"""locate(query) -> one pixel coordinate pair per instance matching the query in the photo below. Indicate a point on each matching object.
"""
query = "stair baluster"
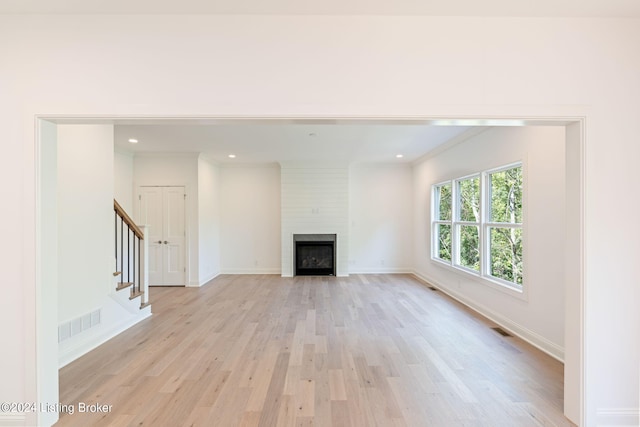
(121, 249)
(135, 277)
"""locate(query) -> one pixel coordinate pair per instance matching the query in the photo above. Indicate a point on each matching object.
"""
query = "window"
(467, 224)
(504, 228)
(442, 199)
(477, 224)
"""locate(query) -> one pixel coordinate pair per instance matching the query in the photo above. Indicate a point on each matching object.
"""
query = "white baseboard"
(529, 336)
(69, 355)
(12, 419)
(618, 417)
(209, 278)
(202, 282)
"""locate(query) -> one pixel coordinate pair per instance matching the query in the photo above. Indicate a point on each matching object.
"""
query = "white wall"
(380, 218)
(315, 200)
(208, 220)
(538, 314)
(174, 170)
(250, 220)
(85, 218)
(86, 260)
(374, 66)
(123, 180)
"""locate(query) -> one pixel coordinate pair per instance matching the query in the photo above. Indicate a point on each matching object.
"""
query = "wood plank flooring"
(367, 350)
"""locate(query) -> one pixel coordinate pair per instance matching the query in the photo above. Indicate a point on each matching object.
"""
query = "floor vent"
(501, 331)
(432, 288)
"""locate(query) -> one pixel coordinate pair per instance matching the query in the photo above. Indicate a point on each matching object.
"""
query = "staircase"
(130, 257)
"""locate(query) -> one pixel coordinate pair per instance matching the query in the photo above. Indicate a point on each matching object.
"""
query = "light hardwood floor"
(368, 350)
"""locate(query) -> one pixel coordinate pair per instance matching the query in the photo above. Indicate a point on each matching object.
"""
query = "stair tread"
(123, 285)
(136, 294)
(145, 304)
(117, 273)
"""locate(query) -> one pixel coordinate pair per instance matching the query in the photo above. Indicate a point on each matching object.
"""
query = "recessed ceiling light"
(399, 156)
(232, 156)
(133, 140)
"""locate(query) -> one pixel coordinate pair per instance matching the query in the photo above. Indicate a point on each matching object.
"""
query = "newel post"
(144, 264)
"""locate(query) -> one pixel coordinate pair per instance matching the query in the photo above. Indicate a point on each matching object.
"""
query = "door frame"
(43, 382)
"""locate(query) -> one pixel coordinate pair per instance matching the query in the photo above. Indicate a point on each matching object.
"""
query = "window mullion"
(455, 216)
(483, 218)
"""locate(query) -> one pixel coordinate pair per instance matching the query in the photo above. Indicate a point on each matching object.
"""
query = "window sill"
(516, 292)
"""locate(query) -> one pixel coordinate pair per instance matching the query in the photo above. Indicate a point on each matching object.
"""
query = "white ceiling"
(281, 141)
(526, 8)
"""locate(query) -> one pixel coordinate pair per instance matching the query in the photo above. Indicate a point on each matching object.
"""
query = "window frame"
(458, 223)
(484, 225)
(436, 222)
(488, 224)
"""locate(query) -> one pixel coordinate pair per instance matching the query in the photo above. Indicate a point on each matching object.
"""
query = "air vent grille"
(73, 327)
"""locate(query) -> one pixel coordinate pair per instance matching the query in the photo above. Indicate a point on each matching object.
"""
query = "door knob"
(165, 242)
(159, 242)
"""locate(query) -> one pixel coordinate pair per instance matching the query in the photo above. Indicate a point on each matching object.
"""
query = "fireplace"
(314, 254)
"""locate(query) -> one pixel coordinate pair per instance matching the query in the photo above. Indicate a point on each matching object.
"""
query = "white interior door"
(150, 214)
(173, 242)
(163, 209)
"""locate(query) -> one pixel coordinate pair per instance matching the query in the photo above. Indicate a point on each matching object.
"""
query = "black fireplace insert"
(315, 258)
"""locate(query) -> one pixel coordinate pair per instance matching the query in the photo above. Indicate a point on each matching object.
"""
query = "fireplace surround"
(314, 254)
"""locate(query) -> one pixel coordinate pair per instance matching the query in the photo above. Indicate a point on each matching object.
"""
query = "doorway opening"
(46, 281)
